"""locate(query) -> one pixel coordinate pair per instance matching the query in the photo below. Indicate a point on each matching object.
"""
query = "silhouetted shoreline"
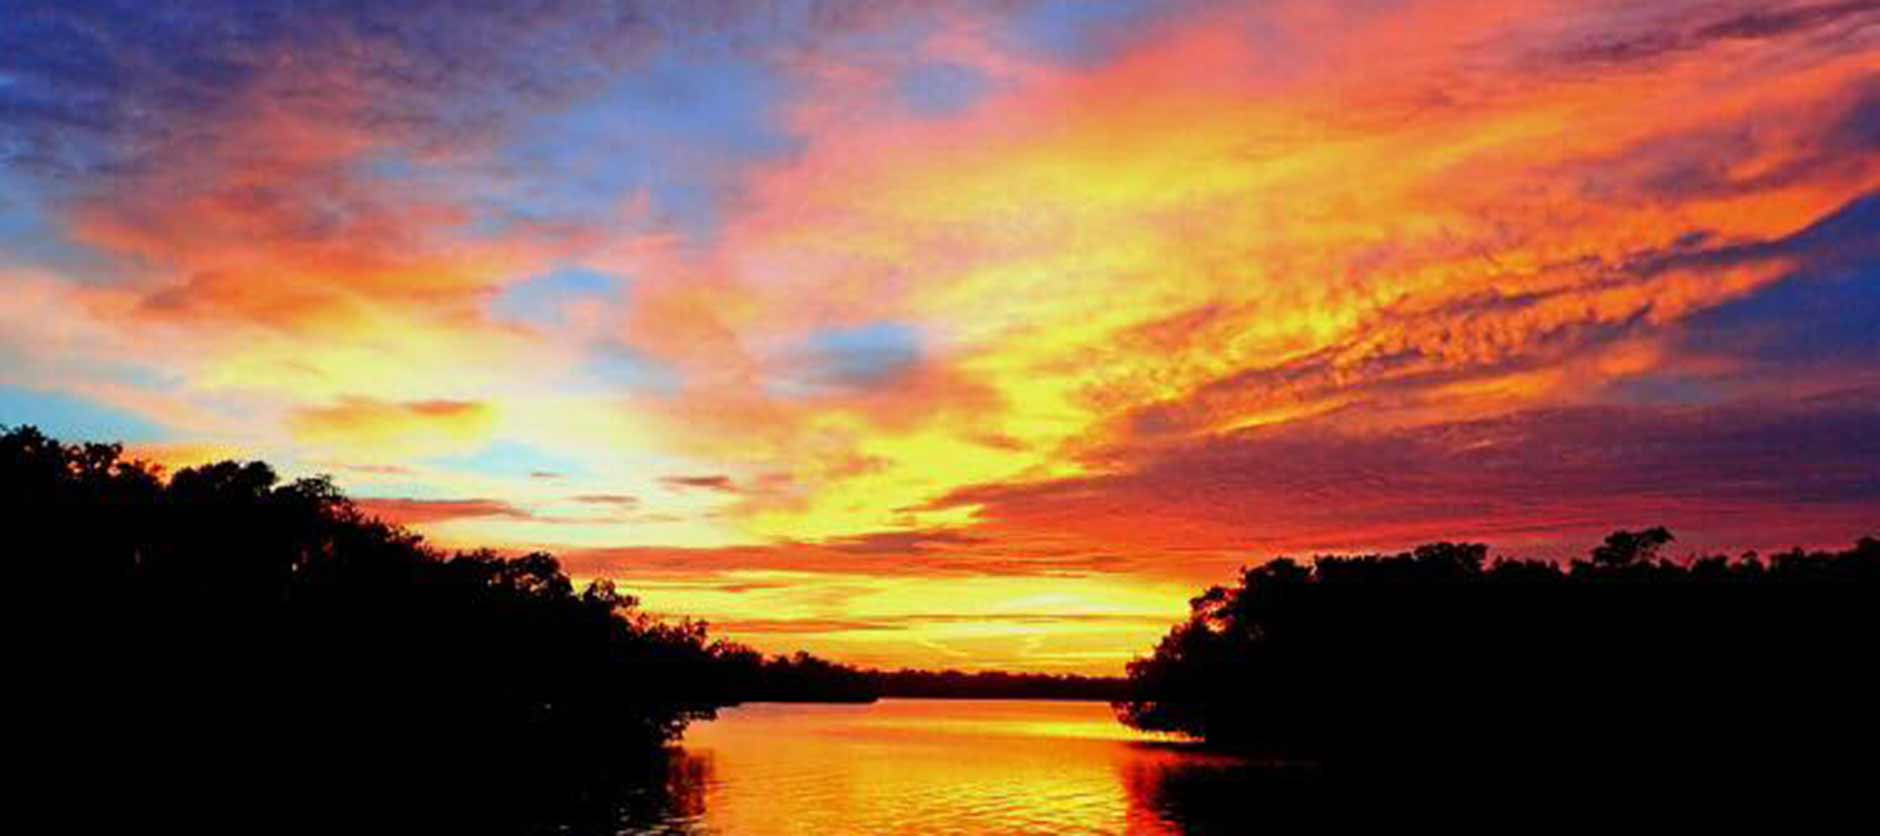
(1442, 663)
(259, 642)
(996, 685)
(220, 634)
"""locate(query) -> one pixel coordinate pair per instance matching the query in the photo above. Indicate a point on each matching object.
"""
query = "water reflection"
(1179, 790)
(918, 766)
(669, 798)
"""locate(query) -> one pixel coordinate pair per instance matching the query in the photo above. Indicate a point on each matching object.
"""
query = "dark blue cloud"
(1817, 325)
(1845, 239)
(545, 113)
(1838, 142)
(94, 87)
(1835, 262)
(1741, 469)
(941, 89)
(90, 86)
(1692, 31)
(29, 237)
(1083, 33)
(679, 128)
(1827, 313)
(1774, 22)
(118, 108)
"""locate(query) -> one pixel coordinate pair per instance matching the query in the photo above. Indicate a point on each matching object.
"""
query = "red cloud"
(716, 482)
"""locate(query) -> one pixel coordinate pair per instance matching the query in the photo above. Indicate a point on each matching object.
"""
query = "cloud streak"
(417, 512)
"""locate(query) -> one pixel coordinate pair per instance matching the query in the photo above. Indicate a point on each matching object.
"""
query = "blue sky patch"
(511, 459)
(1082, 33)
(677, 128)
(543, 300)
(611, 367)
(940, 89)
(72, 419)
(851, 358)
(1801, 320)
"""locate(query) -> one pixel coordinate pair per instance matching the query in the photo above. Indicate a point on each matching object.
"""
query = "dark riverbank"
(221, 643)
(1440, 664)
(804, 678)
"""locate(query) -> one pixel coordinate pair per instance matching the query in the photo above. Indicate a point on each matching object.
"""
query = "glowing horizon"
(977, 334)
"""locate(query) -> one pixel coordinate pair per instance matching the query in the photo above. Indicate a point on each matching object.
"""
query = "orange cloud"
(363, 424)
(1441, 211)
(172, 457)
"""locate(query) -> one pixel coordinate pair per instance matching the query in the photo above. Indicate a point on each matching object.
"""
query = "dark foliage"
(797, 678)
(952, 684)
(1628, 666)
(221, 641)
(805, 678)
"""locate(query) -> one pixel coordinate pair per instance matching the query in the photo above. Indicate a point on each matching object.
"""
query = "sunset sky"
(964, 334)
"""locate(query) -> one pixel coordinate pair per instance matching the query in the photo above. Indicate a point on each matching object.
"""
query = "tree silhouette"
(1625, 548)
(1435, 662)
(221, 638)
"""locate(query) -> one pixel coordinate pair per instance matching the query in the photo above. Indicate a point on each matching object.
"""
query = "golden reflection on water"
(932, 766)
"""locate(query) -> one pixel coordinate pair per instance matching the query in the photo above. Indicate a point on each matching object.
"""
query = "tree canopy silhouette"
(224, 634)
(1630, 661)
(221, 635)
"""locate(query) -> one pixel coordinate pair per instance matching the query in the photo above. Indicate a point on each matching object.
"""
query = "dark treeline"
(951, 684)
(805, 678)
(1627, 665)
(221, 639)
(220, 642)
(799, 677)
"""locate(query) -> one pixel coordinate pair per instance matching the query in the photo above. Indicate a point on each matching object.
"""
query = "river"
(946, 766)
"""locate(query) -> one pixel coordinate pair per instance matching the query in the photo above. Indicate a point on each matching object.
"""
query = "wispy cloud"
(423, 511)
(715, 482)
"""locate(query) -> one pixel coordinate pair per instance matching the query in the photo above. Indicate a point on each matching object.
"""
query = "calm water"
(946, 766)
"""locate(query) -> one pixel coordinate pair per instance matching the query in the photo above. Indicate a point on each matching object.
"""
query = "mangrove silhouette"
(801, 677)
(220, 646)
(223, 639)
(953, 684)
(1438, 664)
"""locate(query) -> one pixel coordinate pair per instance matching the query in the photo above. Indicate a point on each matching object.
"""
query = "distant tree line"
(1627, 663)
(801, 677)
(952, 684)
